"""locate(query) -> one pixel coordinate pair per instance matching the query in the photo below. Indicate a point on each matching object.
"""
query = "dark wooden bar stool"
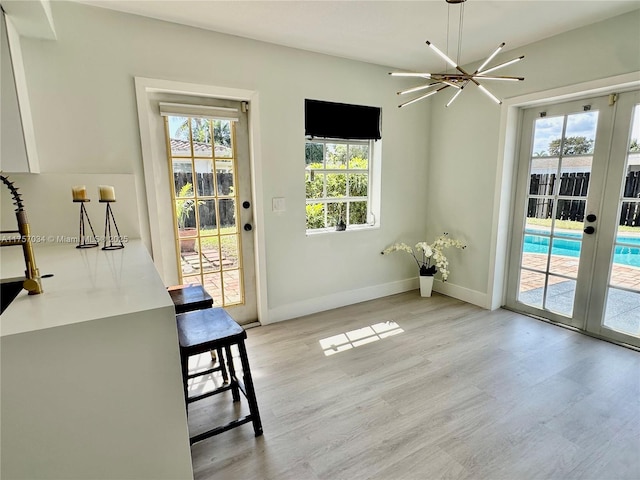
(203, 330)
(187, 298)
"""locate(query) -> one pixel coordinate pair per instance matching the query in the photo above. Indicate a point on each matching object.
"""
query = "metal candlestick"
(109, 243)
(82, 239)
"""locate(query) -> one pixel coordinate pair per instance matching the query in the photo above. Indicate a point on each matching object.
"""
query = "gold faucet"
(32, 283)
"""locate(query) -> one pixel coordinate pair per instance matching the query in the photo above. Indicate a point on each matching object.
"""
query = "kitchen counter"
(87, 284)
(90, 371)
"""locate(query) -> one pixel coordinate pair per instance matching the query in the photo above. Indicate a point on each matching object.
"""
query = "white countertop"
(88, 284)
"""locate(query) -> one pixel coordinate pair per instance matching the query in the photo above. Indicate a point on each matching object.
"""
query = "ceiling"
(390, 33)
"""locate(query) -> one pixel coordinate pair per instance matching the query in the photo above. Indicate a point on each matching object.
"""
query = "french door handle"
(589, 230)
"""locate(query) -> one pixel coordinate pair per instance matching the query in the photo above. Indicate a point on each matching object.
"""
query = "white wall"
(84, 115)
(85, 121)
(464, 157)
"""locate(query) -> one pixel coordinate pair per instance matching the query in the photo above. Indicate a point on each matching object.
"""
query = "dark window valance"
(341, 120)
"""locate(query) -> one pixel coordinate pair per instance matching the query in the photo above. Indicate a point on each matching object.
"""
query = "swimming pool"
(623, 255)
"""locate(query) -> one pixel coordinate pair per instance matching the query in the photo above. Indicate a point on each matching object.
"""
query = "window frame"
(373, 184)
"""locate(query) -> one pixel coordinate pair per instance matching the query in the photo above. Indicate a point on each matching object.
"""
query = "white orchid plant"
(429, 257)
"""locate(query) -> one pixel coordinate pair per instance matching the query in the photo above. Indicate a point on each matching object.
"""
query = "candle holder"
(109, 243)
(82, 237)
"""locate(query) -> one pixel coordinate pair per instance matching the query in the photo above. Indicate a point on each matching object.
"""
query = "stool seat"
(200, 331)
(203, 330)
(190, 297)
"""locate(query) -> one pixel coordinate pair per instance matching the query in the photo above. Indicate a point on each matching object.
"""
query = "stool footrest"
(204, 372)
(222, 428)
(211, 393)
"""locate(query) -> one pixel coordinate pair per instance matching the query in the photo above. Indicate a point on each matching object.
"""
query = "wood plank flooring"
(437, 388)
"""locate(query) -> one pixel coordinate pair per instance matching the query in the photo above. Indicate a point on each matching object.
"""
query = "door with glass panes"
(208, 149)
(575, 252)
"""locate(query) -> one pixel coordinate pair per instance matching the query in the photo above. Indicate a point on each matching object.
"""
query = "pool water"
(623, 255)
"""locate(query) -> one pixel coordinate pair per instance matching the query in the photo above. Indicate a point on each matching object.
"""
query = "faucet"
(32, 283)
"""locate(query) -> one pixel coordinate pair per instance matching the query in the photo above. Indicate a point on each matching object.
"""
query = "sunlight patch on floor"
(361, 336)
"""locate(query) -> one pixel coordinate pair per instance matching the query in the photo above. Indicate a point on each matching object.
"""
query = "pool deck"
(622, 315)
(621, 275)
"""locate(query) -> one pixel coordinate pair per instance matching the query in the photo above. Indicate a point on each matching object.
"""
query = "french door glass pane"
(227, 212)
(183, 178)
(224, 177)
(201, 133)
(204, 170)
(623, 297)
(231, 286)
(207, 211)
(559, 173)
(222, 134)
(179, 136)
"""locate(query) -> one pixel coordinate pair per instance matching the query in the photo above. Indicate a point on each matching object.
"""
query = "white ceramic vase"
(426, 285)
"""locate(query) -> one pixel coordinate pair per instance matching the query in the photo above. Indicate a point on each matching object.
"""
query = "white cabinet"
(17, 143)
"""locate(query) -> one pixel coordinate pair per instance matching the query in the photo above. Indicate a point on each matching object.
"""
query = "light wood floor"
(459, 392)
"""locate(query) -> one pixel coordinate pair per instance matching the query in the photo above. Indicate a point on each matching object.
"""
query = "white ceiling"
(391, 33)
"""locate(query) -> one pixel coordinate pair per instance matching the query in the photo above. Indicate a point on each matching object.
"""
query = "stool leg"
(251, 393)
(235, 390)
(184, 363)
(223, 368)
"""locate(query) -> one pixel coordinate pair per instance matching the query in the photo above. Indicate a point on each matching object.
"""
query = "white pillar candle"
(79, 192)
(107, 193)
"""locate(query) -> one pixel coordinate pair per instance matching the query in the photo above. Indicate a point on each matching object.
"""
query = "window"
(337, 183)
(342, 185)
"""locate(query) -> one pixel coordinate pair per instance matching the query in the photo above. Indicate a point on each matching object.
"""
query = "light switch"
(278, 204)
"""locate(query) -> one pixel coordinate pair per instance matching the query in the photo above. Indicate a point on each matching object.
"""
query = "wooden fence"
(577, 185)
(206, 208)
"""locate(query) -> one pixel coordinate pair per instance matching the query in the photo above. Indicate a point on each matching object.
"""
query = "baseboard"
(461, 293)
(342, 299)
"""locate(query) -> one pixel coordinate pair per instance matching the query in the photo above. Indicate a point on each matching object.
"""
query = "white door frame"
(508, 143)
(152, 183)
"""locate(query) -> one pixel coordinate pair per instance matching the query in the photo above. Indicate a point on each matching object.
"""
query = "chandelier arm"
(416, 89)
(453, 99)
(489, 58)
(510, 62)
(484, 90)
(515, 79)
(410, 74)
(442, 54)
(423, 96)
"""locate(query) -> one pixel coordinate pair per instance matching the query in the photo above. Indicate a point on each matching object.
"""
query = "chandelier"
(459, 78)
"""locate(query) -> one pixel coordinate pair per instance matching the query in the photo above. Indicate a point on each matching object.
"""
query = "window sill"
(332, 230)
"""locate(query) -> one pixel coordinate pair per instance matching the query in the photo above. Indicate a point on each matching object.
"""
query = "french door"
(575, 251)
(208, 152)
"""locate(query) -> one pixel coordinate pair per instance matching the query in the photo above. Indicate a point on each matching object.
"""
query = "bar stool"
(187, 298)
(200, 331)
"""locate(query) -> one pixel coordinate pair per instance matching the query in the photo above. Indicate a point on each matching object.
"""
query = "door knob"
(589, 230)
(247, 227)
(246, 204)
(591, 218)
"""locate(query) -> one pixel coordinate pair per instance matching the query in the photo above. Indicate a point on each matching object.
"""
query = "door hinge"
(613, 98)
(244, 106)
